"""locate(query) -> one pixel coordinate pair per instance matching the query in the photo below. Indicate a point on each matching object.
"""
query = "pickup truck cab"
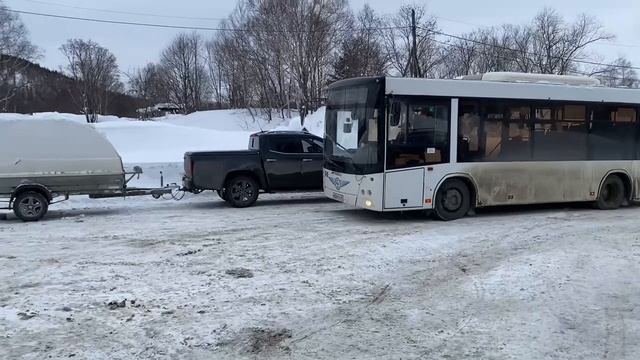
(276, 161)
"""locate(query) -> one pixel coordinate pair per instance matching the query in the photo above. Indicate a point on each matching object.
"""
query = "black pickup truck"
(276, 161)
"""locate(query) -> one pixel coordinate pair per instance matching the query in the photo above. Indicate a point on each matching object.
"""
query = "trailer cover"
(57, 153)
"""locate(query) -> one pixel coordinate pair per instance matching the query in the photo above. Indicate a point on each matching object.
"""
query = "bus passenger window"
(493, 140)
(560, 133)
(612, 133)
(468, 130)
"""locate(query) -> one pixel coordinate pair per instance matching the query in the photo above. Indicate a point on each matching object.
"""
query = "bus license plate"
(338, 197)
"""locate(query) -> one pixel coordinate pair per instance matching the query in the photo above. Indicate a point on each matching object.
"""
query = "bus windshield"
(353, 129)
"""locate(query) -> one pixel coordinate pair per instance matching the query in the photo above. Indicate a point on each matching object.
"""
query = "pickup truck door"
(312, 163)
(282, 159)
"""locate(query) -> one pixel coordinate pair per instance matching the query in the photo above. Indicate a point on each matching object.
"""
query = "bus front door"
(404, 189)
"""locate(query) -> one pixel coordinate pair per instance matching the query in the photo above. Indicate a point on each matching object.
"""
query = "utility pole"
(415, 65)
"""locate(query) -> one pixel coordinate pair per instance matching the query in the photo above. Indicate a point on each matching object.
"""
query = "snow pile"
(60, 116)
(165, 140)
(225, 120)
(314, 123)
(153, 142)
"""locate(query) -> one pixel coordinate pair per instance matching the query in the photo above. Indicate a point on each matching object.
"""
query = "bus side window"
(612, 132)
(469, 129)
(397, 120)
(493, 140)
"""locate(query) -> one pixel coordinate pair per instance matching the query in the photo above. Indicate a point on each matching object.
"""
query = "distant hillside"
(48, 91)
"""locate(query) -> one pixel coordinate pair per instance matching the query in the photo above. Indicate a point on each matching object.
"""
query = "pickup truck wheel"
(222, 194)
(30, 206)
(241, 191)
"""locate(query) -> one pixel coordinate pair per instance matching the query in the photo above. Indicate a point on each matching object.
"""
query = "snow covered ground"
(302, 277)
(152, 279)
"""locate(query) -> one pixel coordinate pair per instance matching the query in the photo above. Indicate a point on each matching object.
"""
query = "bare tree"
(95, 71)
(277, 53)
(547, 45)
(15, 47)
(146, 84)
(556, 45)
(398, 41)
(361, 54)
(315, 29)
(619, 74)
(215, 70)
(184, 73)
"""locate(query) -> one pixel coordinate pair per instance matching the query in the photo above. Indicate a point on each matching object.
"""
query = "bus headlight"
(368, 203)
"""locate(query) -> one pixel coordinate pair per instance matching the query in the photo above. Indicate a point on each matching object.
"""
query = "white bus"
(398, 144)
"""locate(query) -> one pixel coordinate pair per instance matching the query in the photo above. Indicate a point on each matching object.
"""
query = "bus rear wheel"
(453, 200)
(612, 194)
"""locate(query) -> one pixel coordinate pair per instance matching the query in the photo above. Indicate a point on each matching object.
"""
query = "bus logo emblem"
(338, 183)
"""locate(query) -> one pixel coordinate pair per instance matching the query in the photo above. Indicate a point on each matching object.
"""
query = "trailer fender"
(31, 186)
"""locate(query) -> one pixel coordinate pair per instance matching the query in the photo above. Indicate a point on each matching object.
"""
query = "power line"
(180, 27)
(524, 52)
(124, 12)
(204, 28)
(130, 23)
(610, 43)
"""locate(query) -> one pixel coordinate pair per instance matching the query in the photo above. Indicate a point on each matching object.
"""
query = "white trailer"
(42, 161)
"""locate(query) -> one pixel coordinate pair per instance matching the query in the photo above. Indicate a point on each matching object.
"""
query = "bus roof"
(509, 90)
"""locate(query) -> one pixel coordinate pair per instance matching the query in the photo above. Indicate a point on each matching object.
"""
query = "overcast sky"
(136, 46)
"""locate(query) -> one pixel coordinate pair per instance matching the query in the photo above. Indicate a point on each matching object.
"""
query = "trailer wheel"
(241, 191)
(30, 206)
(453, 200)
(612, 193)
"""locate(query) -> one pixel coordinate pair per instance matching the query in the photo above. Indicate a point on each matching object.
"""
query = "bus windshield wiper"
(337, 143)
(346, 158)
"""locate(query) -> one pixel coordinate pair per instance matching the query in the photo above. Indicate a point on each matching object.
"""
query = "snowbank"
(152, 142)
(314, 123)
(165, 140)
(225, 120)
(60, 116)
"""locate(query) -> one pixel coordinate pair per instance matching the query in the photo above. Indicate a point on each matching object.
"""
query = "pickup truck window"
(285, 144)
(312, 146)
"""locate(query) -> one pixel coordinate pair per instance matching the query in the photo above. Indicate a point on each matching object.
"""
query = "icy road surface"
(301, 277)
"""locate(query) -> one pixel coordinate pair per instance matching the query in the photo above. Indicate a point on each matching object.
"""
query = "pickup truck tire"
(222, 194)
(30, 206)
(241, 191)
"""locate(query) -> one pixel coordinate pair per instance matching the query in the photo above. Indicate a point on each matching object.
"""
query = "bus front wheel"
(453, 200)
(612, 194)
